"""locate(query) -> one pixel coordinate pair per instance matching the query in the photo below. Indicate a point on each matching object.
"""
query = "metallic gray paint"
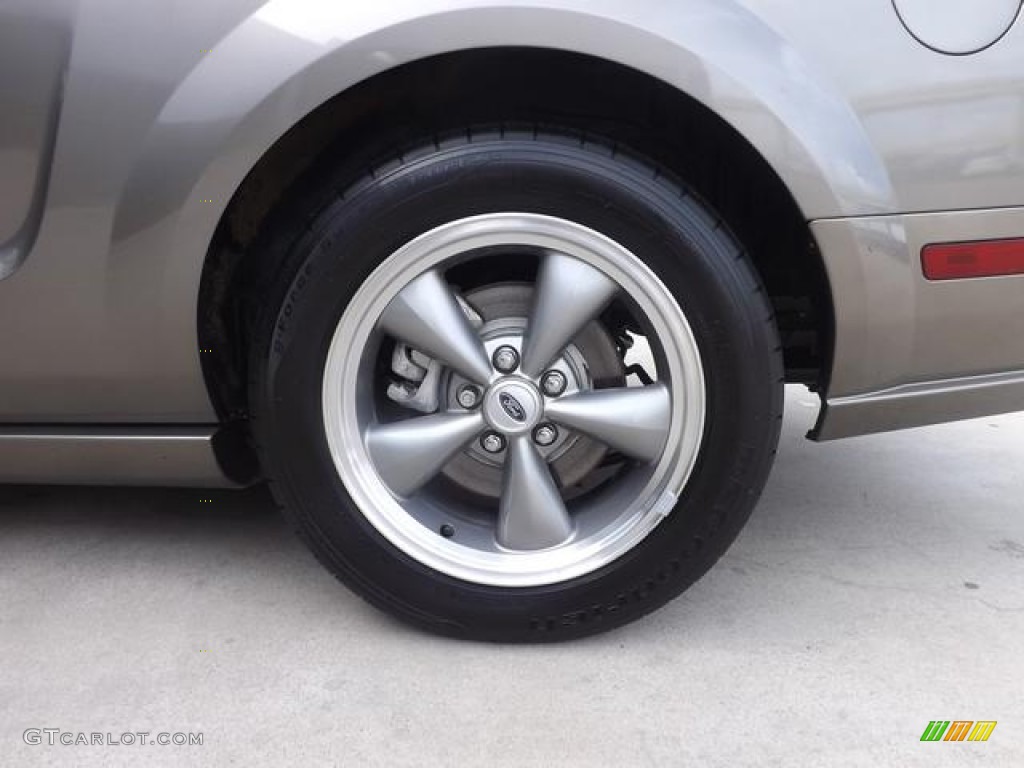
(915, 405)
(167, 106)
(182, 456)
(34, 46)
(957, 27)
(894, 327)
(903, 342)
(152, 132)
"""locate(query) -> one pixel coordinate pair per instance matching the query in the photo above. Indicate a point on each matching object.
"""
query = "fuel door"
(958, 27)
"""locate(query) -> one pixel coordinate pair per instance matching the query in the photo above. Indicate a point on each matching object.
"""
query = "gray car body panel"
(34, 48)
(122, 455)
(909, 351)
(167, 106)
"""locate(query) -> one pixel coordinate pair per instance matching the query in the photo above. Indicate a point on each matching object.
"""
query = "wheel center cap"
(513, 407)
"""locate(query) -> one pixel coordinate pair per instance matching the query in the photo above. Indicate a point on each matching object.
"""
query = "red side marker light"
(988, 258)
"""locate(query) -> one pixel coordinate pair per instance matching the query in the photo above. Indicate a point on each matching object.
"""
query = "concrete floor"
(879, 585)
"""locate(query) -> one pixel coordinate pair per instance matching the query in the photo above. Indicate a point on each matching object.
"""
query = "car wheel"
(513, 386)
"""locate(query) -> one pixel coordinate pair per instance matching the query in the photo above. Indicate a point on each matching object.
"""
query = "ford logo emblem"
(512, 407)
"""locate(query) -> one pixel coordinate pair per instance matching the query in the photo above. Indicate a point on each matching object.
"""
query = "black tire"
(317, 257)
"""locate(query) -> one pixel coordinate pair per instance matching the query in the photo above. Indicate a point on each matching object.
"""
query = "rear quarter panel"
(168, 105)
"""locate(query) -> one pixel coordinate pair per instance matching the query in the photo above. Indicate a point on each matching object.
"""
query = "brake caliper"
(418, 385)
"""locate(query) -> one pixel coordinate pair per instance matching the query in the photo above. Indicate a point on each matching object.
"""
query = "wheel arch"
(231, 116)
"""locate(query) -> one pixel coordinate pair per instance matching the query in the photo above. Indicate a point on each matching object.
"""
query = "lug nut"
(492, 442)
(545, 434)
(554, 383)
(469, 396)
(506, 359)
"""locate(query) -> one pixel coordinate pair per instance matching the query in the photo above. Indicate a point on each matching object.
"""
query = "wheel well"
(554, 89)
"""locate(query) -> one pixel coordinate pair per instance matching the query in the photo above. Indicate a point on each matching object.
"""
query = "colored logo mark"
(959, 730)
(512, 407)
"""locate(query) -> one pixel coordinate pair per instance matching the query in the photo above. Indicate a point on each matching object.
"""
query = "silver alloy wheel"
(535, 534)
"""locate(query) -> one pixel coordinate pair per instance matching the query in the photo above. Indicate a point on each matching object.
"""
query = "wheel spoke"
(533, 515)
(427, 316)
(569, 294)
(634, 420)
(407, 454)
